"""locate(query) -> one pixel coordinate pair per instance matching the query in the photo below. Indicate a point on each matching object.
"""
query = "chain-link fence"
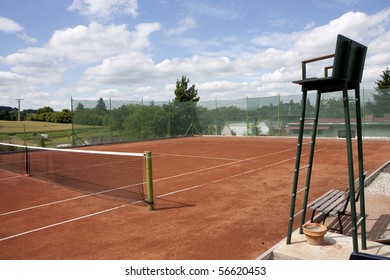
(105, 121)
(108, 121)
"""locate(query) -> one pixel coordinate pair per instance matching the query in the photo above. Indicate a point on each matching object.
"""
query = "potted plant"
(314, 233)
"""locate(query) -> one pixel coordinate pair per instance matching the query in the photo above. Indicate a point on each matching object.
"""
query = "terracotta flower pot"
(314, 232)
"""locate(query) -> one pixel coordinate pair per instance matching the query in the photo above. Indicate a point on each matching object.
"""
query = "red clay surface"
(216, 198)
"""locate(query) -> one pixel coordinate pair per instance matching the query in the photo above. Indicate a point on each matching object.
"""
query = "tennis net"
(113, 174)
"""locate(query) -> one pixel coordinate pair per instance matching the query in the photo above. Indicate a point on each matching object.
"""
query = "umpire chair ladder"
(347, 71)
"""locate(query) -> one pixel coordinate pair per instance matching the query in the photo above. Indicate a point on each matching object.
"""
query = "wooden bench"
(334, 202)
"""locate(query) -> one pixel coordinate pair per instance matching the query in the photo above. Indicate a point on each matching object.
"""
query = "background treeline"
(176, 118)
(145, 121)
(11, 114)
(45, 114)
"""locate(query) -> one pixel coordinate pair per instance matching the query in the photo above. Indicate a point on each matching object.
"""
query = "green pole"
(149, 180)
(27, 165)
(216, 117)
(297, 165)
(192, 117)
(110, 121)
(24, 135)
(350, 170)
(142, 119)
(72, 116)
(169, 118)
(278, 111)
(247, 118)
(363, 115)
(311, 159)
(361, 168)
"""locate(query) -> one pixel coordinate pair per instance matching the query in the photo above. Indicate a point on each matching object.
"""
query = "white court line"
(222, 165)
(64, 200)
(45, 204)
(11, 177)
(156, 180)
(192, 156)
(232, 176)
(61, 223)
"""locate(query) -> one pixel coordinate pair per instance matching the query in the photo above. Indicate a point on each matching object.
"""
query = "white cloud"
(9, 78)
(132, 68)
(116, 61)
(9, 26)
(36, 64)
(28, 39)
(183, 25)
(86, 44)
(268, 70)
(74, 49)
(105, 9)
(13, 85)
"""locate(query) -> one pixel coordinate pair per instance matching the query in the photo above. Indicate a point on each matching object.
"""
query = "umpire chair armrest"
(304, 62)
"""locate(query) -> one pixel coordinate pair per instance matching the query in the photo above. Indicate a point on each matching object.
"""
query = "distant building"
(372, 127)
(242, 129)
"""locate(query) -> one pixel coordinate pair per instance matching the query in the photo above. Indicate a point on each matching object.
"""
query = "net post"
(149, 180)
(27, 163)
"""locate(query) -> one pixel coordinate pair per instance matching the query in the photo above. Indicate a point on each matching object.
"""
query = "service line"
(61, 223)
(232, 176)
(222, 165)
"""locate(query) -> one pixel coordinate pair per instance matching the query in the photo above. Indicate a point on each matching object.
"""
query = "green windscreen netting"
(109, 120)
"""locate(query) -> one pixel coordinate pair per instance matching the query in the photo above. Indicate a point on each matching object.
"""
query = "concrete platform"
(339, 246)
(334, 247)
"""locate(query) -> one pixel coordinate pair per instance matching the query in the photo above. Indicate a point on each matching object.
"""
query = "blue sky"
(137, 49)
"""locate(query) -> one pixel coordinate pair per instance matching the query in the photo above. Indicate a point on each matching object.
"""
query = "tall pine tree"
(183, 93)
(382, 96)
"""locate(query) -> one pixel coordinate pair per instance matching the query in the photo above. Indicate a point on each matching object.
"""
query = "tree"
(43, 114)
(145, 122)
(44, 110)
(101, 106)
(65, 116)
(80, 107)
(384, 83)
(382, 97)
(183, 93)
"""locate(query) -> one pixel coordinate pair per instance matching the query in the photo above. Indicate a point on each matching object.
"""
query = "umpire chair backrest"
(349, 60)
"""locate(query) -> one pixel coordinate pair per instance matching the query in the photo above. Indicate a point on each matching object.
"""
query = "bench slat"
(326, 199)
(327, 206)
(320, 199)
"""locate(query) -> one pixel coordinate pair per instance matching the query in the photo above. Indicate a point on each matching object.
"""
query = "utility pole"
(18, 99)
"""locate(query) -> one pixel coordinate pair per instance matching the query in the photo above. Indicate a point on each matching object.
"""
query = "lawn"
(34, 133)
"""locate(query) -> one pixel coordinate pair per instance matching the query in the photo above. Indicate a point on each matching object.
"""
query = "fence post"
(72, 121)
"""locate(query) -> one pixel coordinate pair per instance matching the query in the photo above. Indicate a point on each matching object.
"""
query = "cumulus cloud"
(104, 9)
(9, 26)
(89, 43)
(70, 52)
(133, 68)
(35, 64)
(117, 61)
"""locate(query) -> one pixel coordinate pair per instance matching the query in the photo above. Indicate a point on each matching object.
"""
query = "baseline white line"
(232, 176)
(61, 223)
(222, 165)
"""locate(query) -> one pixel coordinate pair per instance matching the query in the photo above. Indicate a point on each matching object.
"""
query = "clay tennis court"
(215, 198)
